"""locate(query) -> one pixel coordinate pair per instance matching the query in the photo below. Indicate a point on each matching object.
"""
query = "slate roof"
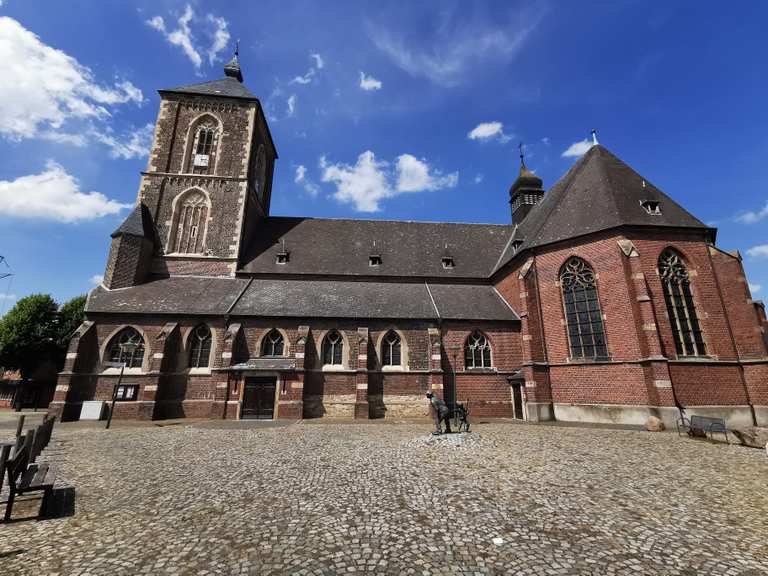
(228, 87)
(177, 295)
(138, 223)
(303, 299)
(408, 249)
(598, 193)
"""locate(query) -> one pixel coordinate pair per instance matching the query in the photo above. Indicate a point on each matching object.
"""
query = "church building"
(602, 299)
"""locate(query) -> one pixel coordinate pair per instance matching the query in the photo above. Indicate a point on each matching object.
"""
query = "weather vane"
(522, 154)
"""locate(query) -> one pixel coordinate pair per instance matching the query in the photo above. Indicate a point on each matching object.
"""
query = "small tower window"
(201, 155)
(448, 263)
(374, 260)
(653, 207)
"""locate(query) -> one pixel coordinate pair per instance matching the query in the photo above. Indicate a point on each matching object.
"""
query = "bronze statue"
(442, 413)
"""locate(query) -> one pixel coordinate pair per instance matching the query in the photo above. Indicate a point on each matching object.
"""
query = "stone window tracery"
(189, 223)
(391, 353)
(584, 318)
(681, 308)
(202, 154)
(477, 351)
(273, 344)
(332, 348)
(200, 347)
(118, 352)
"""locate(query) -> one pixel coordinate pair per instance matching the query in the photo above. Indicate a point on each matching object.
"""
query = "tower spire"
(522, 156)
(232, 68)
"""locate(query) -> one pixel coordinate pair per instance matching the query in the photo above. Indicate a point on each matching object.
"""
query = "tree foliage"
(35, 333)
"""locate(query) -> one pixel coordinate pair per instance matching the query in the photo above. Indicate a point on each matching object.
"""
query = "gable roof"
(319, 246)
(598, 193)
(138, 223)
(228, 87)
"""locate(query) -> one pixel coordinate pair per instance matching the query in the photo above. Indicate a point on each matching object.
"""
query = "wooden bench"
(24, 476)
(706, 425)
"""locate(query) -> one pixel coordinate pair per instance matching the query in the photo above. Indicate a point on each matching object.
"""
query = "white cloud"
(577, 149)
(755, 288)
(319, 63)
(136, 144)
(220, 35)
(6, 296)
(301, 178)
(415, 175)
(184, 38)
(369, 83)
(54, 195)
(43, 88)
(369, 181)
(291, 105)
(458, 44)
(751, 217)
(479, 178)
(545, 140)
(96, 279)
(759, 251)
(487, 131)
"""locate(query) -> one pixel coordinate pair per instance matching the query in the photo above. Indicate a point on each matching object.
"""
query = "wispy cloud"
(96, 279)
(316, 65)
(51, 90)
(291, 105)
(751, 217)
(487, 131)
(370, 181)
(759, 251)
(755, 288)
(53, 195)
(457, 43)
(577, 149)
(213, 27)
(6, 296)
(369, 83)
(301, 178)
(134, 144)
(479, 178)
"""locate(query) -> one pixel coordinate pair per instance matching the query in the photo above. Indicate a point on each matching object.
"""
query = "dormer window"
(516, 245)
(448, 263)
(374, 260)
(653, 207)
(283, 257)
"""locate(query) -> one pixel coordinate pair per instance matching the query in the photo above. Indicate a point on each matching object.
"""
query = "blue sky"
(379, 110)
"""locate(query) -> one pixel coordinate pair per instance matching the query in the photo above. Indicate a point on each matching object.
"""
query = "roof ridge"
(600, 155)
(386, 220)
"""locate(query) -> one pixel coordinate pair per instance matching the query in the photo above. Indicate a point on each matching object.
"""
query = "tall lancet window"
(583, 315)
(686, 329)
(190, 219)
(202, 154)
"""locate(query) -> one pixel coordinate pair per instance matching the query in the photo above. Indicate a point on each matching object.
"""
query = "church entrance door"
(259, 398)
(517, 400)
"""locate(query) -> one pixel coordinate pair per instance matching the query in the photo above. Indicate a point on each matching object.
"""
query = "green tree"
(71, 315)
(29, 334)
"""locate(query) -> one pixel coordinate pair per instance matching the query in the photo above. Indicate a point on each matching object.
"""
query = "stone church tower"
(208, 181)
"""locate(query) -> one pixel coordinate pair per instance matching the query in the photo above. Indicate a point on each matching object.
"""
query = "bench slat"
(33, 477)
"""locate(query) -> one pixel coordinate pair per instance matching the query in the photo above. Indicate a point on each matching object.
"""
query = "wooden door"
(259, 398)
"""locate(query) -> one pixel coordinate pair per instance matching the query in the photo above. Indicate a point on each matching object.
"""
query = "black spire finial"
(594, 137)
(522, 156)
(232, 68)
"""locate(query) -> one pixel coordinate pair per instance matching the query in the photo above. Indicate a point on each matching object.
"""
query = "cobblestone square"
(339, 498)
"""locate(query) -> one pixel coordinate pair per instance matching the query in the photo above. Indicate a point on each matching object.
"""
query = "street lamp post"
(125, 348)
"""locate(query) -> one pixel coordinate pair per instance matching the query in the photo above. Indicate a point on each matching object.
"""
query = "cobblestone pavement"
(325, 498)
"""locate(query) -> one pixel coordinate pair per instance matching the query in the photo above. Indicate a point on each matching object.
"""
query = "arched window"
(680, 307)
(127, 347)
(202, 154)
(390, 349)
(273, 344)
(333, 346)
(190, 219)
(200, 347)
(477, 351)
(582, 310)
